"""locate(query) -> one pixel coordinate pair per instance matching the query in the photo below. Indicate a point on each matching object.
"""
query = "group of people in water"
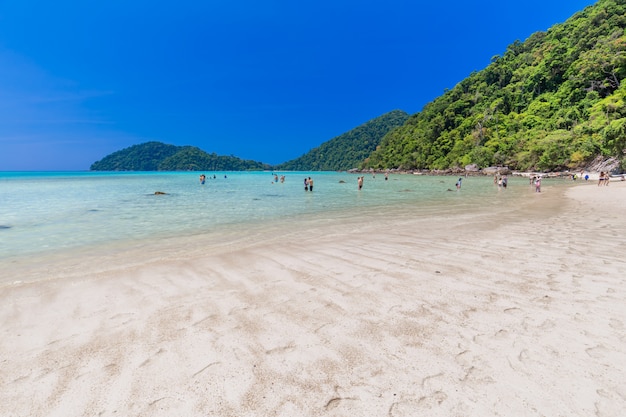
(308, 181)
(536, 181)
(282, 178)
(203, 178)
(603, 179)
(308, 184)
(500, 180)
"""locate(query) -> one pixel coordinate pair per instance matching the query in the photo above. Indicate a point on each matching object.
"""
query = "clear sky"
(261, 80)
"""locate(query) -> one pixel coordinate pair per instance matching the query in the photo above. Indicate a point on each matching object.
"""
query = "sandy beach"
(520, 314)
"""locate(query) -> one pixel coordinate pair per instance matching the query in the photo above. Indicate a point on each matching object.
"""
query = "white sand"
(517, 315)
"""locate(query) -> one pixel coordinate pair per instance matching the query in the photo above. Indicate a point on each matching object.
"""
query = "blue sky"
(261, 80)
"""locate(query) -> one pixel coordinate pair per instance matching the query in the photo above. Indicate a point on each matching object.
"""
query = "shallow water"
(43, 213)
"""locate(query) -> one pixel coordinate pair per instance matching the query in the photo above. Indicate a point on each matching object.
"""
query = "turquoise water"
(43, 212)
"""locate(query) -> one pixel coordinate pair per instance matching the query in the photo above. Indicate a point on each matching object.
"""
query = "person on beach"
(310, 184)
(538, 184)
(360, 182)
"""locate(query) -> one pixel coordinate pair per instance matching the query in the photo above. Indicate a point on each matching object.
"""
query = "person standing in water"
(360, 182)
(306, 184)
(310, 181)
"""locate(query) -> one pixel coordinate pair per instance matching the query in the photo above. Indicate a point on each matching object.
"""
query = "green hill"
(145, 157)
(156, 156)
(348, 150)
(552, 102)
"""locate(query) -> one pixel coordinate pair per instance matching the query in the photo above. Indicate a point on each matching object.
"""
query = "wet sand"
(470, 315)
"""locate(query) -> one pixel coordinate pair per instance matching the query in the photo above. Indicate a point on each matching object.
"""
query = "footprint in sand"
(547, 325)
(431, 378)
(512, 310)
(502, 334)
(435, 399)
(597, 352)
(335, 402)
(523, 356)
(462, 358)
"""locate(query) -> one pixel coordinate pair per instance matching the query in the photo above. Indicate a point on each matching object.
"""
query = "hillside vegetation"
(555, 101)
(348, 150)
(157, 156)
(341, 153)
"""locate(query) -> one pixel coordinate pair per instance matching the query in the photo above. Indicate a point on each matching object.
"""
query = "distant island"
(157, 156)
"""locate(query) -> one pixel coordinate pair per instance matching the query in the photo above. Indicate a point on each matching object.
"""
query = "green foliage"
(144, 157)
(156, 156)
(348, 150)
(555, 101)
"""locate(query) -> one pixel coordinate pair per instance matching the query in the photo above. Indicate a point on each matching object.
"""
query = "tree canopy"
(555, 101)
(157, 156)
(348, 150)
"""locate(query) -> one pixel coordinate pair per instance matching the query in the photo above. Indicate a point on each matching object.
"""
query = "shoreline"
(503, 312)
(99, 257)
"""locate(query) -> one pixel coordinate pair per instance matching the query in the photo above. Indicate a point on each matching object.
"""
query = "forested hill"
(157, 156)
(554, 101)
(348, 150)
(341, 153)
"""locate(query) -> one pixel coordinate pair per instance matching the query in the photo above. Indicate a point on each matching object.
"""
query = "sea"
(48, 213)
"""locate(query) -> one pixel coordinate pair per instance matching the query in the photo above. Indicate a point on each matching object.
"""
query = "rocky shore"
(600, 164)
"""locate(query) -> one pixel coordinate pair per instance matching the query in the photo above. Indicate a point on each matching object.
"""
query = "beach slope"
(471, 315)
